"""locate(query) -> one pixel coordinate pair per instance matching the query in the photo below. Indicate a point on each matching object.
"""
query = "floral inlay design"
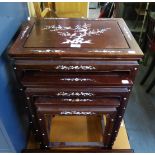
(77, 100)
(107, 51)
(77, 113)
(75, 36)
(62, 67)
(24, 32)
(74, 94)
(48, 51)
(76, 79)
(104, 51)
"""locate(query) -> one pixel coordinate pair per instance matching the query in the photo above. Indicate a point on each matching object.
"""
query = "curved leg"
(118, 119)
(42, 131)
(152, 65)
(110, 122)
(32, 117)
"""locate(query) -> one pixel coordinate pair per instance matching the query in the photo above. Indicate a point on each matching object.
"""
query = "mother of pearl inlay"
(48, 51)
(62, 67)
(75, 36)
(74, 94)
(77, 113)
(76, 79)
(24, 32)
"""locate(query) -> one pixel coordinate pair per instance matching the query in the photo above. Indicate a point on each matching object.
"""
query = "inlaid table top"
(64, 37)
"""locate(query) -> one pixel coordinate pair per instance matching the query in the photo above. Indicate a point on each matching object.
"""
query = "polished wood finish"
(43, 41)
(76, 67)
(19, 50)
(73, 102)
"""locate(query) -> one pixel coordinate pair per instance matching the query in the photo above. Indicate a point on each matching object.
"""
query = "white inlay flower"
(78, 34)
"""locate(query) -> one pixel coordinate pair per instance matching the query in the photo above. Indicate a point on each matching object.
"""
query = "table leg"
(110, 122)
(42, 130)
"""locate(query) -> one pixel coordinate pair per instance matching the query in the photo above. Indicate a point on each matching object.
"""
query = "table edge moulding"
(133, 52)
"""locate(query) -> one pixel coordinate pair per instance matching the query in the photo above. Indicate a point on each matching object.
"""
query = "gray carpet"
(140, 115)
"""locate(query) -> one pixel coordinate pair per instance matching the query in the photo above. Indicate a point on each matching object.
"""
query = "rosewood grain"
(75, 67)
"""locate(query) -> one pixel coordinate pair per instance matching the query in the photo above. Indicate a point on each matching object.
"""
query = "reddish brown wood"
(103, 79)
(57, 65)
(77, 101)
(95, 91)
(122, 35)
(44, 41)
(44, 109)
(95, 73)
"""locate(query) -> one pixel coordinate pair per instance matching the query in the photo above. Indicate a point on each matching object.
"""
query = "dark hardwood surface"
(77, 60)
(78, 80)
(72, 102)
(50, 109)
(95, 92)
(75, 65)
(114, 39)
(49, 38)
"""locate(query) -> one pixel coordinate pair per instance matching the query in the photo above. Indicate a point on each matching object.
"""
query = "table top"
(77, 34)
(64, 37)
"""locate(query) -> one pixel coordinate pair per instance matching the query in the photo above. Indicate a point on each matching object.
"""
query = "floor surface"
(140, 115)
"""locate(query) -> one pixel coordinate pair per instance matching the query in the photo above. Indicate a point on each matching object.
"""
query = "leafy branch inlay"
(76, 79)
(104, 51)
(77, 100)
(24, 32)
(62, 67)
(75, 94)
(77, 113)
(48, 51)
(78, 33)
